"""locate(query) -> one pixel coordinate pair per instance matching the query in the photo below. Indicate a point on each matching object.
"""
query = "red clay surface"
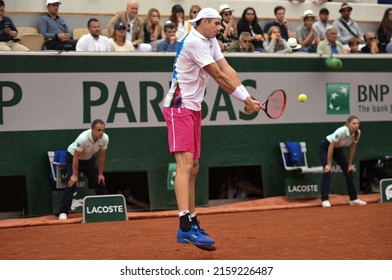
(284, 230)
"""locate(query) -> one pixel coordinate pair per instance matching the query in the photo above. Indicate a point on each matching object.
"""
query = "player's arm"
(331, 147)
(101, 164)
(351, 155)
(75, 170)
(230, 82)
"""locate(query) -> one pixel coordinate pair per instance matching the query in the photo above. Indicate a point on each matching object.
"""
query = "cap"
(345, 6)
(293, 44)
(205, 13)
(120, 25)
(308, 13)
(177, 9)
(52, 2)
(225, 8)
(324, 11)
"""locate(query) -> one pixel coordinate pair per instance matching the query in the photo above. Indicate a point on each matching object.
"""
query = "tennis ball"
(302, 97)
(333, 63)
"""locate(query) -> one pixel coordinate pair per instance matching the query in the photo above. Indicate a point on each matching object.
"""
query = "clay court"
(264, 229)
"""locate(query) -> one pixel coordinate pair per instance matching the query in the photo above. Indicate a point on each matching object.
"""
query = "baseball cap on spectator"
(324, 11)
(177, 9)
(52, 2)
(345, 6)
(205, 13)
(119, 25)
(225, 8)
(388, 48)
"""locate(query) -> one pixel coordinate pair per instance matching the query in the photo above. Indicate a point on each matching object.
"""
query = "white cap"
(205, 13)
(225, 8)
(52, 2)
(308, 13)
(293, 44)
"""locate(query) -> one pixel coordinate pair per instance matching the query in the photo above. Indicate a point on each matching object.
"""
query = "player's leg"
(90, 169)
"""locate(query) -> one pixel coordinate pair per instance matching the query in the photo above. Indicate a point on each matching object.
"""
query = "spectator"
(118, 41)
(93, 41)
(372, 46)
(228, 32)
(330, 44)
(281, 22)
(275, 43)
(152, 26)
(243, 44)
(353, 44)
(55, 29)
(305, 33)
(170, 44)
(321, 25)
(80, 158)
(193, 11)
(346, 26)
(384, 31)
(177, 17)
(388, 49)
(248, 23)
(8, 33)
(134, 24)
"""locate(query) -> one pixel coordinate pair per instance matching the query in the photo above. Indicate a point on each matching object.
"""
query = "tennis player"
(332, 148)
(198, 57)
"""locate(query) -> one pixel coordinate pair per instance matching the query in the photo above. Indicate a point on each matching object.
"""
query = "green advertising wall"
(138, 140)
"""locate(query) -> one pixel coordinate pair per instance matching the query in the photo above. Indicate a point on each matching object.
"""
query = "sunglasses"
(227, 14)
(346, 11)
(195, 12)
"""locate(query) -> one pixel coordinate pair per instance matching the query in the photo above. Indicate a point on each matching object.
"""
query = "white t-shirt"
(86, 145)
(88, 43)
(189, 80)
(127, 47)
(342, 137)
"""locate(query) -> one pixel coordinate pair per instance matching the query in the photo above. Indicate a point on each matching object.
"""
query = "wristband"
(240, 93)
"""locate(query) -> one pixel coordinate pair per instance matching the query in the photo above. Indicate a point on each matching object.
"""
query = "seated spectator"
(243, 44)
(275, 43)
(384, 31)
(55, 29)
(248, 23)
(8, 33)
(152, 26)
(177, 17)
(228, 32)
(305, 33)
(118, 41)
(281, 22)
(134, 24)
(321, 25)
(346, 26)
(93, 41)
(353, 44)
(193, 11)
(330, 44)
(372, 46)
(170, 44)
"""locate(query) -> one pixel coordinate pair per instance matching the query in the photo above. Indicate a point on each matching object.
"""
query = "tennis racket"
(274, 105)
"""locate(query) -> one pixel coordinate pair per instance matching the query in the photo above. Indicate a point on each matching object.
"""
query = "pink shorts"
(184, 130)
